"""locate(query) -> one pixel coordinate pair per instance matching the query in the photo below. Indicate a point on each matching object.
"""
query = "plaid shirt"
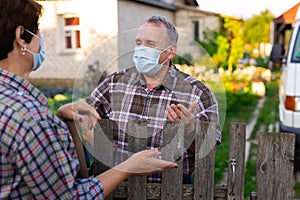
(123, 96)
(37, 155)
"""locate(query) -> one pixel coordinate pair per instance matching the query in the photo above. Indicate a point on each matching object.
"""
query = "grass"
(240, 107)
(268, 115)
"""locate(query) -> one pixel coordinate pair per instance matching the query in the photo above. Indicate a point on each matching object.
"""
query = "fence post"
(137, 141)
(205, 143)
(274, 167)
(173, 151)
(236, 161)
(103, 136)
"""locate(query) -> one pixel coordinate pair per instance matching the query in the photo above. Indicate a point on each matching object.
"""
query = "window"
(196, 31)
(72, 33)
(296, 50)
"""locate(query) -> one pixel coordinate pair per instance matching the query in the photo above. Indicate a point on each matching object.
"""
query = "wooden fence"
(274, 171)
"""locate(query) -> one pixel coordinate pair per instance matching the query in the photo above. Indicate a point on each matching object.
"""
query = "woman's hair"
(172, 31)
(14, 13)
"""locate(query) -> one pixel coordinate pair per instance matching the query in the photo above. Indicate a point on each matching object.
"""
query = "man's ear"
(18, 36)
(173, 51)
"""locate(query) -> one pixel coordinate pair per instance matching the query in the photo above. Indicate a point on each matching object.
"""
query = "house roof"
(289, 16)
(169, 6)
(158, 3)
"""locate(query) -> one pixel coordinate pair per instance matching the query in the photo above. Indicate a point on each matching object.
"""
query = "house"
(84, 37)
(281, 26)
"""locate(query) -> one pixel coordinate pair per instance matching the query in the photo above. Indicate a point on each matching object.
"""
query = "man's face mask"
(38, 58)
(146, 59)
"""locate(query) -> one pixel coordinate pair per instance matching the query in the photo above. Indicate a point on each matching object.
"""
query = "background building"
(98, 35)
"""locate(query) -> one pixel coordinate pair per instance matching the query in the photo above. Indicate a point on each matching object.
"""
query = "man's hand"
(179, 112)
(76, 111)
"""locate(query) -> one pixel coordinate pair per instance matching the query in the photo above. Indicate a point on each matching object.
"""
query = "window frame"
(73, 32)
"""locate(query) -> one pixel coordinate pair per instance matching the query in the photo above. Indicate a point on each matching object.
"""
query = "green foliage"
(234, 28)
(209, 43)
(236, 111)
(220, 57)
(250, 171)
(186, 59)
(267, 115)
(262, 62)
(257, 28)
(226, 47)
(58, 100)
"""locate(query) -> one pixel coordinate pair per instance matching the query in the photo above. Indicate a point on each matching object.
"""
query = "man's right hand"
(77, 111)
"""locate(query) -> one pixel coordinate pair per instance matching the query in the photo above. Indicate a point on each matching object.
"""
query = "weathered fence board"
(172, 151)
(274, 171)
(137, 142)
(173, 146)
(236, 161)
(274, 167)
(204, 161)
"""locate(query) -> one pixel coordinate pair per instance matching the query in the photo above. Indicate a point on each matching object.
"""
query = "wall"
(98, 21)
(184, 18)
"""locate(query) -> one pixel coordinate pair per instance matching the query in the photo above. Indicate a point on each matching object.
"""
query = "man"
(155, 91)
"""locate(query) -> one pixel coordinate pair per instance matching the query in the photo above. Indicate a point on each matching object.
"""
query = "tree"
(235, 38)
(257, 29)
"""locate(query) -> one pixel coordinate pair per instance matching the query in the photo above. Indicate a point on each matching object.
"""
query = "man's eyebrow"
(151, 41)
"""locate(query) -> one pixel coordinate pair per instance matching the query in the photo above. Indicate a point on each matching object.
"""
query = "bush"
(58, 100)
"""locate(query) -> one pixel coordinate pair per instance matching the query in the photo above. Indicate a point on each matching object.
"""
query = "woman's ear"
(18, 36)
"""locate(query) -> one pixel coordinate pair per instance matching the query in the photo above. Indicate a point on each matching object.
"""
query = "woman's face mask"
(146, 60)
(38, 58)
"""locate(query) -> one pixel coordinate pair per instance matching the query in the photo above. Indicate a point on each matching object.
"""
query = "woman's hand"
(143, 163)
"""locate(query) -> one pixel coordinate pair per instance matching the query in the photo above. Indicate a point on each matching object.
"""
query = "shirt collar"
(168, 82)
(22, 86)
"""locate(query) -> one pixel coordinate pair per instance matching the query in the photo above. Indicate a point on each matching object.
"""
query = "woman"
(37, 155)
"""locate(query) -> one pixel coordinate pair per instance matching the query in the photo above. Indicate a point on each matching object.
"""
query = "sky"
(246, 8)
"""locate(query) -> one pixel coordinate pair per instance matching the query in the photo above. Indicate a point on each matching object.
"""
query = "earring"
(23, 49)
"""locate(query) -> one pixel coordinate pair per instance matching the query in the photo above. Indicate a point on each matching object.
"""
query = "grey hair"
(172, 31)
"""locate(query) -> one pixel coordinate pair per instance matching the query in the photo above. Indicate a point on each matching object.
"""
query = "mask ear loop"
(166, 49)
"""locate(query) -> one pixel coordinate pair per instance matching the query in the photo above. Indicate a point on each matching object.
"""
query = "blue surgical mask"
(146, 60)
(38, 58)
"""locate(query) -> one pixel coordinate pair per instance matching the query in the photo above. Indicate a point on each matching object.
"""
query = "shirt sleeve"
(100, 98)
(47, 160)
(207, 109)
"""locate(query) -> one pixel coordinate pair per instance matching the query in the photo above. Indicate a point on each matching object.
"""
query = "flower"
(60, 97)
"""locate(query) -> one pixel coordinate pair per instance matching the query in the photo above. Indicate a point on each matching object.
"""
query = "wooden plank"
(104, 148)
(220, 192)
(274, 167)
(173, 145)
(74, 130)
(236, 161)
(137, 132)
(154, 191)
(204, 160)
